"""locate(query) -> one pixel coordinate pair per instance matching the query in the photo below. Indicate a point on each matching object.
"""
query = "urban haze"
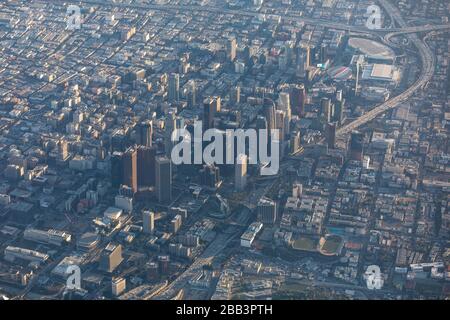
(114, 120)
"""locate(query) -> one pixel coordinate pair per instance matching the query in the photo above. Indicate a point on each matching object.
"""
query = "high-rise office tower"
(323, 56)
(303, 59)
(210, 107)
(176, 223)
(280, 116)
(63, 150)
(240, 173)
(267, 210)
(295, 142)
(169, 127)
(280, 121)
(235, 95)
(231, 49)
(301, 64)
(269, 113)
(289, 52)
(359, 63)
(164, 179)
(144, 132)
(174, 87)
(148, 221)
(331, 135)
(130, 169)
(118, 141)
(326, 109)
(307, 51)
(284, 101)
(284, 104)
(282, 62)
(163, 264)
(118, 286)
(111, 257)
(247, 54)
(261, 123)
(298, 99)
(339, 111)
(356, 146)
(101, 152)
(208, 114)
(217, 104)
(192, 93)
(116, 169)
(146, 166)
(210, 176)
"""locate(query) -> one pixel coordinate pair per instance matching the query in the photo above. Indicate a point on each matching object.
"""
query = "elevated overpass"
(428, 61)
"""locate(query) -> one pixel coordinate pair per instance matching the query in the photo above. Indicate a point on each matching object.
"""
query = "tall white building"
(240, 173)
(284, 104)
(148, 221)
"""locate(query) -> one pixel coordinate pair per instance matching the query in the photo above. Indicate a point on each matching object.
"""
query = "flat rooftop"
(382, 71)
(372, 49)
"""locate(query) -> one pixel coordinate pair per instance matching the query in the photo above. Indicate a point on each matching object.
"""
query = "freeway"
(256, 14)
(205, 258)
(428, 65)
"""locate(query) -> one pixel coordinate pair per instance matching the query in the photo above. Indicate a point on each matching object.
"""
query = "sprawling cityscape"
(224, 150)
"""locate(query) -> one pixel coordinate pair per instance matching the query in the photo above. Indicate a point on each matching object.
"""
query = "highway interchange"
(426, 56)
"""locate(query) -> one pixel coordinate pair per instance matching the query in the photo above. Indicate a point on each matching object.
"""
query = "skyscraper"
(294, 142)
(192, 93)
(280, 117)
(356, 146)
(63, 150)
(146, 166)
(323, 53)
(231, 49)
(111, 257)
(269, 113)
(289, 51)
(284, 104)
(339, 111)
(240, 173)
(169, 127)
(217, 103)
(303, 59)
(331, 135)
(359, 63)
(174, 87)
(148, 221)
(130, 169)
(144, 132)
(176, 223)
(210, 176)
(298, 99)
(307, 52)
(164, 179)
(116, 169)
(235, 95)
(326, 109)
(210, 106)
(267, 210)
(261, 123)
